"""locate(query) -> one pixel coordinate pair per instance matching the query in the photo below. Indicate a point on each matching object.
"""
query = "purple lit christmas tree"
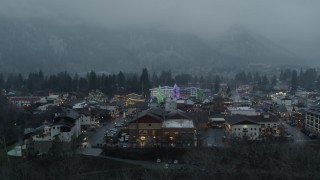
(176, 91)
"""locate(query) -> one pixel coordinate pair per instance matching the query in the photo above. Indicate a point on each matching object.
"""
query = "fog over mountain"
(79, 35)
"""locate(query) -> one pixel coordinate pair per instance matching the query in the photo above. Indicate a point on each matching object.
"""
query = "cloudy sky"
(292, 23)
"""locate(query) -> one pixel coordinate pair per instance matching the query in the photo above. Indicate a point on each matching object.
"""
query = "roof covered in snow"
(178, 123)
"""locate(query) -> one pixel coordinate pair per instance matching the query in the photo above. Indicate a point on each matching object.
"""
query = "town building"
(64, 128)
(312, 120)
(24, 101)
(157, 127)
(165, 91)
(252, 127)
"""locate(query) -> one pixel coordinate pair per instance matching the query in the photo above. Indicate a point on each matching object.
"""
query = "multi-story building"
(252, 127)
(24, 101)
(312, 120)
(64, 129)
(185, 93)
(165, 91)
(158, 127)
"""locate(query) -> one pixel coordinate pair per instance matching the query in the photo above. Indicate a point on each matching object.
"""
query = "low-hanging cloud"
(287, 19)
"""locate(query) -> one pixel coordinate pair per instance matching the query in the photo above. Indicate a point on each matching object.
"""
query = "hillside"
(33, 44)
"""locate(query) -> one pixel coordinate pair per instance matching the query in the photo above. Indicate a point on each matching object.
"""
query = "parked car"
(158, 160)
(126, 138)
(166, 166)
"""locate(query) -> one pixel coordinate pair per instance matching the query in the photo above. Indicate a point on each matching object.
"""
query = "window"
(255, 128)
(239, 129)
(255, 133)
(53, 127)
(235, 129)
(149, 124)
(251, 129)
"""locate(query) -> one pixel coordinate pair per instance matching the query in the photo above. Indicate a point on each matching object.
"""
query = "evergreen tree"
(19, 82)
(92, 77)
(121, 80)
(241, 78)
(134, 84)
(145, 82)
(309, 79)
(257, 81)
(216, 84)
(318, 83)
(1, 82)
(294, 81)
(228, 91)
(83, 85)
(75, 83)
(165, 78)
(265, 83)
(273, 81)
(183, 79)
(249, 78)
(155, 80)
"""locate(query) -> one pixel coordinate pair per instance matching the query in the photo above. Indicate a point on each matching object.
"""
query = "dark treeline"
(308, 79)
(110, 84)
(121, 83)
(11, 119)
(241, 160)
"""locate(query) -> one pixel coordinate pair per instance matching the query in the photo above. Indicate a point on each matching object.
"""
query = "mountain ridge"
(30, 45)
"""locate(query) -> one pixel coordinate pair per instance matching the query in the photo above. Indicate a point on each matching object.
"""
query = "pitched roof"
(235, 119)
(155, 113)
(178, 114)
(178, 123)
(244, 121)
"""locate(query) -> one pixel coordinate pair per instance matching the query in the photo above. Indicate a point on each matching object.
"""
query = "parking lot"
(213, 136)
(111, 128)
(295, 132)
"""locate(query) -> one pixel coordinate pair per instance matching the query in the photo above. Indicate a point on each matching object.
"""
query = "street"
(97, 137)
(213, 136)
(295, 133)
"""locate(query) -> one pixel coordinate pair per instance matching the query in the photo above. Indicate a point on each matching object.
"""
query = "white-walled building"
(63, 132)
(54, 99)
(24, 101)
(252, 127)
(312, 120)
(166, 91)
(80, 105)
(245, 129)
